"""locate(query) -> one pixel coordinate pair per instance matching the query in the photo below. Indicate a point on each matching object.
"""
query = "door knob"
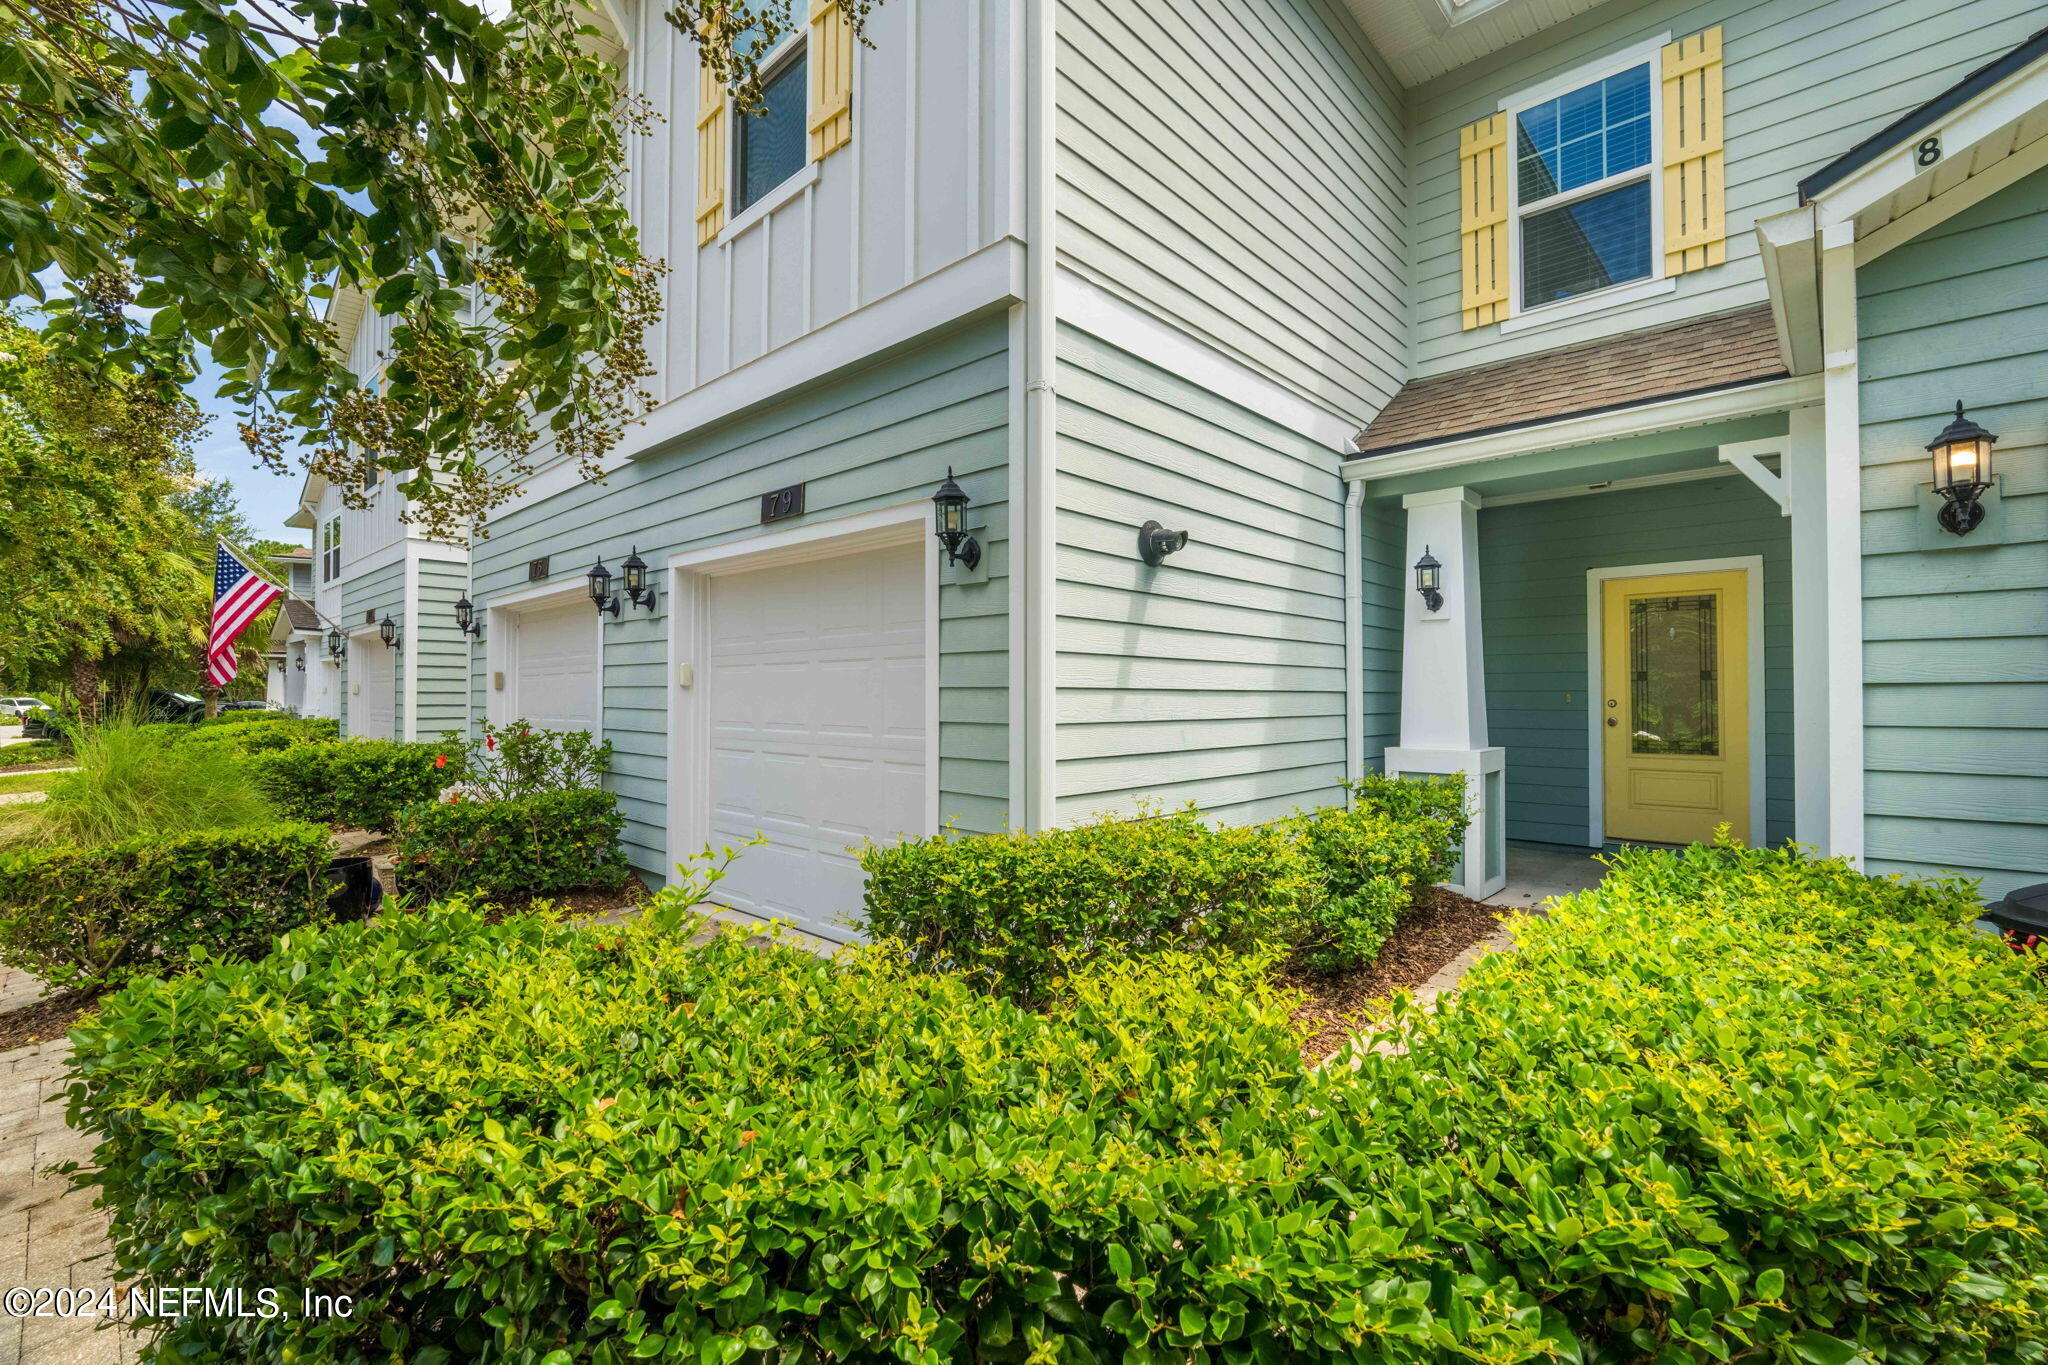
(1612, 721)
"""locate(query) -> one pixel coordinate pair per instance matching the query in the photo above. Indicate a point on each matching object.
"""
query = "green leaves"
(355, 783)
(530, 845)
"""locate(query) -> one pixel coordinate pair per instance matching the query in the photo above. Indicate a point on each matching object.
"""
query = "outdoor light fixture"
(1962, 472)
(389, 633)
(280, 666)
(337, 643)
(1429, 580)
(465, 618)
(601, 594)
(1155, 543)
(637, 590)
(949, 518)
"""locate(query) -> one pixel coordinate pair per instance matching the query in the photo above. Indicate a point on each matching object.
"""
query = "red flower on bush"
(440, 760)
(490, 741)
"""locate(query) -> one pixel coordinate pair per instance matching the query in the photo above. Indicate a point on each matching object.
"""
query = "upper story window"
(1582, 189)
(330, 550)
(768, 146)
(1596, 189)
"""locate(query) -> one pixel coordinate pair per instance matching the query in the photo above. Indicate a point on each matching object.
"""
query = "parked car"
(251, 706)
(166, 705)
(19, 708)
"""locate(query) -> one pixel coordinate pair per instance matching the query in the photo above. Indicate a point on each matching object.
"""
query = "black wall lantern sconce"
(601, 595)
(1429, 580)
(1962, 473)
(390, 633)
(638, 591)
(949, 523)
(1155, 543)
(280, 668)
(466, 619)
(337, 644)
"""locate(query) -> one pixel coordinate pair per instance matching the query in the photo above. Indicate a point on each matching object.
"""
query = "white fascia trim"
(990, 278)
(1749, 400)
(2006, 171)
(408, 552)
(2008, 102)
(1752, 569)
(1102, 314)
(1785, 244)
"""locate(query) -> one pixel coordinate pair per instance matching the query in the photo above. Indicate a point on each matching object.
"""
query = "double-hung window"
(330, 550)
(1583, 206)
(769, 144)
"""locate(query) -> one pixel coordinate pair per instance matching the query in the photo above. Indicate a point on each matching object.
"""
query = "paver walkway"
(50, 1236)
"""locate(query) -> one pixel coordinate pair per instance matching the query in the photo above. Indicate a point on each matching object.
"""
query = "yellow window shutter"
(1695, 227)
(712, 149)
(831, 62)
(1483, 219)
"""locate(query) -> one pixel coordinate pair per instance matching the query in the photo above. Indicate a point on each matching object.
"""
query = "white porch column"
(1804, 470)
(1443, 683)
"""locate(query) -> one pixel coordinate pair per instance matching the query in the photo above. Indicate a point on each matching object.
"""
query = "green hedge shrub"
(281, 733)
(1732, 1107)
(243, 718)
(1014, 910)
(354, 783)
(34, 751)
(1371, 858)
(531, 845)
(86, 918)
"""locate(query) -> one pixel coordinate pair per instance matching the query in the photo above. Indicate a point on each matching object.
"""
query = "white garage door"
(554, 667)
(373, 705)
(818, 716)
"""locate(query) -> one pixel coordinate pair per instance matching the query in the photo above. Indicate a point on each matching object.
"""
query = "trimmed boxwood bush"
(1734, 1106)
(1014, 910)
(531, 845)
(280, 733)
(354, 783)
(86, 918)
(1371, 858)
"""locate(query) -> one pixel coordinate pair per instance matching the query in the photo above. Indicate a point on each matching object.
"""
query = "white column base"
(1483, 866)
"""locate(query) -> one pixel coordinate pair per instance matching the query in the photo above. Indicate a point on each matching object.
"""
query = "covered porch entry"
(1615, 641)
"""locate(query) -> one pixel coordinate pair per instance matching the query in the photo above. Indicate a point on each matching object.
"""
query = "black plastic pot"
(357, 892)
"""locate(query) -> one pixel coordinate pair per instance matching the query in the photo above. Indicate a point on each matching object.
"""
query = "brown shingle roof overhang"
(1674, 361)
(301, 615)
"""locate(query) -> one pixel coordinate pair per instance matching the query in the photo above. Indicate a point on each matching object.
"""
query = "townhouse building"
(1545, 389)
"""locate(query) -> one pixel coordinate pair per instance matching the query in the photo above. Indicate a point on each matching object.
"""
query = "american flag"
(239, 595)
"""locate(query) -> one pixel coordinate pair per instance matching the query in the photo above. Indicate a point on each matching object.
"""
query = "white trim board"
(1108, 317)
(687, 577)
(1752, 567)
(1671, 414)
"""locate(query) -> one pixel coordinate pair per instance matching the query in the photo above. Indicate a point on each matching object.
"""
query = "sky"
(266, 499)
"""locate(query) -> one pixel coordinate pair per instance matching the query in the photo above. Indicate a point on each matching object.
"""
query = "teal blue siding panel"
(1533, 560)
(1239, 171)
(438, 649)
(1804, 81)
(1217, 677)
(878, 437)
(381, 591)
(1956, 655)
(1383, 574)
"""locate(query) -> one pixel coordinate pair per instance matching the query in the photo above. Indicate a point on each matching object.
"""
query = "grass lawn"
(11, 783)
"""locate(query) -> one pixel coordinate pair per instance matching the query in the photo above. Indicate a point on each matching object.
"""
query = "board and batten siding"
(1217, 677)
(436, 646)
(877, 437)
(1533, 559)
(1805, 80)
(925, 182)
(1956, 631)
(381, 590)
(1237, 171)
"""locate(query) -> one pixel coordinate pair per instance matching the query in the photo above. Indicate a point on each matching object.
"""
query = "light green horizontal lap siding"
(1955, 656)
(879, 437)
(1237, 170)
(1805, 80)
(1533, 559)
(1217, 677)
(381, 591)
(436, 647)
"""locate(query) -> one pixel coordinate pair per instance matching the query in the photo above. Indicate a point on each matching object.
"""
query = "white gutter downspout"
(1041, 465)
(1354, 629)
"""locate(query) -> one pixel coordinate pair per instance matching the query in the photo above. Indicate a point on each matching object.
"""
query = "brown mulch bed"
(1438, 927)
(47, 1018)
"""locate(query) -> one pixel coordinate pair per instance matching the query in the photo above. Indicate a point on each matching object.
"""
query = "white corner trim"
(1599, 301)
(1749, 400)
(1102, 314)
(1752, 568)
(990, 278)
(761, 208)
(1748, 456)
(1354, 631)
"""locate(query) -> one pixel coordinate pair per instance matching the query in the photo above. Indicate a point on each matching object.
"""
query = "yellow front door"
(1675, 705)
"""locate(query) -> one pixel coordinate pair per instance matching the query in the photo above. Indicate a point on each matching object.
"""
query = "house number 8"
(1928, 152)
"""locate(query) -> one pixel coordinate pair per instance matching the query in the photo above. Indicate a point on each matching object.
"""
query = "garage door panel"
(818, 723)
(555, 669)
